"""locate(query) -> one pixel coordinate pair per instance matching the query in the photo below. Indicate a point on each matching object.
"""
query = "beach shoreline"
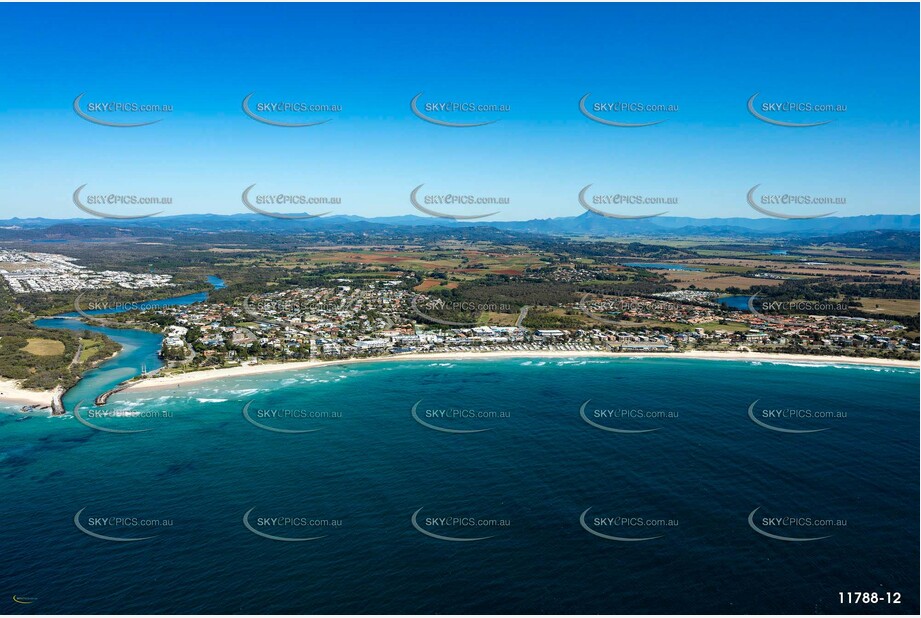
(194, 377)
(13, 394)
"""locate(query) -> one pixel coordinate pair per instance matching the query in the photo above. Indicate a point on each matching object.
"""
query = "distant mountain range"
(587, 224)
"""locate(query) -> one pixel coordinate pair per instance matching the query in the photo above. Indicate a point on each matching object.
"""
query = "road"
(522, 315)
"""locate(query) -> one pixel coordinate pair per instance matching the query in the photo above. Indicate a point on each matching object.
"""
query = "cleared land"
(889, 306)
(44, 347)
(90, 348)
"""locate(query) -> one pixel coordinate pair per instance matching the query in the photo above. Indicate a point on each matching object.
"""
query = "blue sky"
(537, 59)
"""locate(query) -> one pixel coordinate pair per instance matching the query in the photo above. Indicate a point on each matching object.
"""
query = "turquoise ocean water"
(689, 483)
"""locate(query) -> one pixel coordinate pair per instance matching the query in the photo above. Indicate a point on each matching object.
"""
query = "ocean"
(578, 485)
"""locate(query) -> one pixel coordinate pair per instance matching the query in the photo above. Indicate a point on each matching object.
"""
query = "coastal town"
(386, 318)
(373, 313)
(438, 309)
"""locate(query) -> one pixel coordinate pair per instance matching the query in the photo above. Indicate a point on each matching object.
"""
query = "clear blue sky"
(537, 59)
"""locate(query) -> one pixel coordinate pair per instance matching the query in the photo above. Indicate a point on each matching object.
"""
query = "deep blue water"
(662, 266)
(736, 302)
(537, 469)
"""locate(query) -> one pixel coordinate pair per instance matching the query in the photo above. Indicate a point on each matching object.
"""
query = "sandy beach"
(12, 393)
(177, 380)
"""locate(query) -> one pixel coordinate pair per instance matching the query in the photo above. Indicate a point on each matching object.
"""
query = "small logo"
(104, 215)
(24, 600)
(258, 316)
(751, 415)
(80, 311)
(584, 203)
(106, 521)
(413, 199)
(614, 521)
(584, 309)
(781, 123)
(413, 105)
(780, 521)
(415, 307)
(276, 123)
(110, 107)
(83, 421)
(456, 521)
(611, 413)
(273, 537)
(781, 215)
(246, 415)
(751, 308)
(793, 308)
(274, 215)
(416, 418)
(612, 123)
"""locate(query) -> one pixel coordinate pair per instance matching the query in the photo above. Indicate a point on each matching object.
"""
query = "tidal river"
(139, 348)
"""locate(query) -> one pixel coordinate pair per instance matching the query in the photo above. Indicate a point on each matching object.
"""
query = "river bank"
(138, 349)
(193, 377)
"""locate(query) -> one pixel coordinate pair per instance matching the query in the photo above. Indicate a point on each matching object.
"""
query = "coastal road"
(76, 358)
(522, 315)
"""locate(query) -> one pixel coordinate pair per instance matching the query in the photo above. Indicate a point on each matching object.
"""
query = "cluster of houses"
(31, 272)
(349, 320)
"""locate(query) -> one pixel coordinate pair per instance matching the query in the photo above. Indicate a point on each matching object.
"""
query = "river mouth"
(139, 348)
